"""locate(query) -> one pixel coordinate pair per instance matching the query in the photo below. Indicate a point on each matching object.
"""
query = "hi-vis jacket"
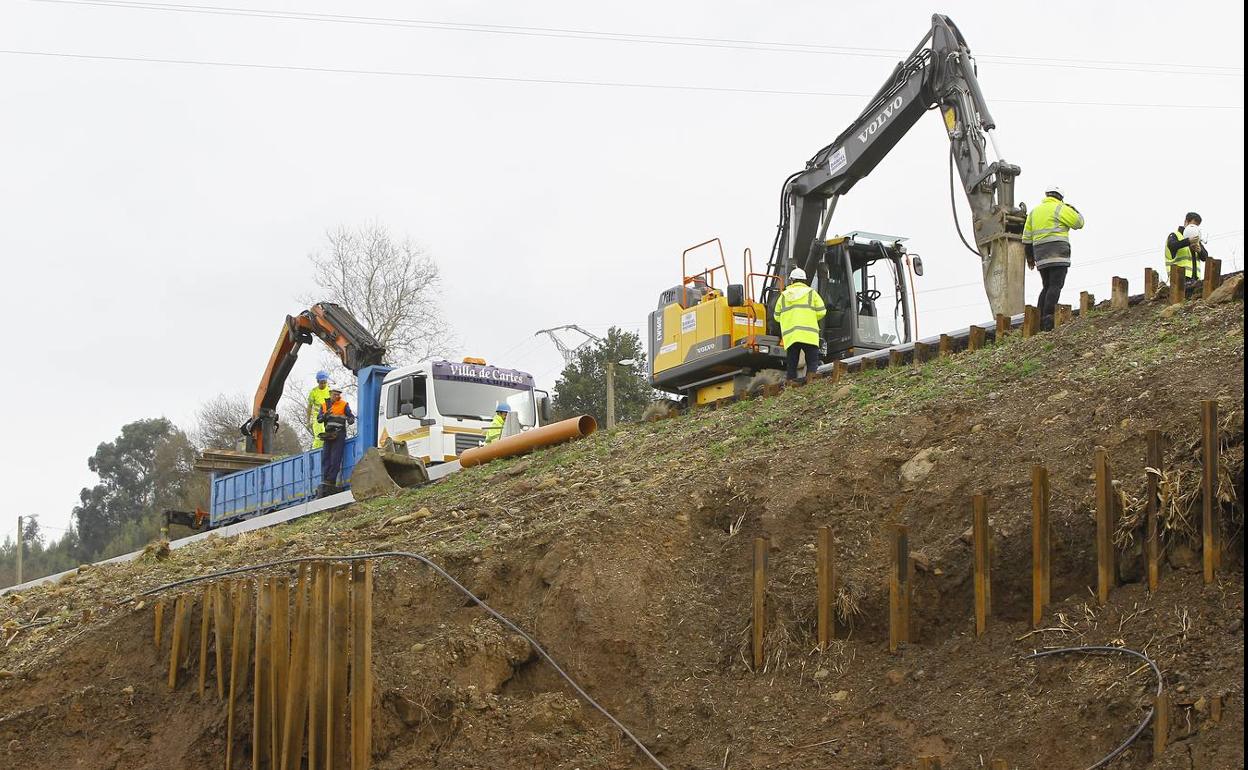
(495, 430)
(799, 311)
(1182, 255)
(1048, 231)
(335, 416)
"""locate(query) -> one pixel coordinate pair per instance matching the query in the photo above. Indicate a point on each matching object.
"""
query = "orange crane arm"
(354, 345)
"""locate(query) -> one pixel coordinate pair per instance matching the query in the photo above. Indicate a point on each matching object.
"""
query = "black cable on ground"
(1098, 650)
(445, 576)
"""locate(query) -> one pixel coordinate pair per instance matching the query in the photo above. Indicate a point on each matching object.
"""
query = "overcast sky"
(155, 218)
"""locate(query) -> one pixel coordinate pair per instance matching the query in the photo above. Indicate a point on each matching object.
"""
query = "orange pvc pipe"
(547, 435)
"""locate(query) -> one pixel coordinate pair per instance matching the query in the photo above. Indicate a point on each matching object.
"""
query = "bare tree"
(389, 285)
(218, 420)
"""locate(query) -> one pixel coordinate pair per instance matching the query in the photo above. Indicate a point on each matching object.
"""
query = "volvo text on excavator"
(706, 342)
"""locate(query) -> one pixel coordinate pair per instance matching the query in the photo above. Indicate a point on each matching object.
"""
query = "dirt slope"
(627, 555)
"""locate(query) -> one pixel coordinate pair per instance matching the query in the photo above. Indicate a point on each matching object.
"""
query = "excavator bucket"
(379, 473)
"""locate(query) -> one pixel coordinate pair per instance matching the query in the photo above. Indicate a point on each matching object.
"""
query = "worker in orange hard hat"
(335, 416)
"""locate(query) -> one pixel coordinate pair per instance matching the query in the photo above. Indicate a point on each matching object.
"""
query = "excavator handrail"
(708, 273)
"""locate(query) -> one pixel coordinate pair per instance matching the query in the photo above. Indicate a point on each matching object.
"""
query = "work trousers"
(1054, 279)
(794, 351)
(331, 459)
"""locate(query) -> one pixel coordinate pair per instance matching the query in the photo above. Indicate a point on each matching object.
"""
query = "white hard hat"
(797, 274)
(1055, 189)
(1192, 231)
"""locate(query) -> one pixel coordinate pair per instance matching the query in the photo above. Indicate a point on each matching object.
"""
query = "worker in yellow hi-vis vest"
(800, 311)
(1184, 247)
(318, 395)
(1046, 241)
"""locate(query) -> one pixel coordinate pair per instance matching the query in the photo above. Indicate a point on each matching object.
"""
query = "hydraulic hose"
(953, 204)
(457, 585)
(1099, 650)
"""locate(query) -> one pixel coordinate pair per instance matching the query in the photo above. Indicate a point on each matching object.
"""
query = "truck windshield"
(478, 400)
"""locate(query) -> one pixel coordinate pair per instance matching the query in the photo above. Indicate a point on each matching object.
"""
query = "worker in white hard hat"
(1184, 247)
(800, 311)
(1046, 242)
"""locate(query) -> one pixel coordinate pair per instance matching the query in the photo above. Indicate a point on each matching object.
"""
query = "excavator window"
(881, 318)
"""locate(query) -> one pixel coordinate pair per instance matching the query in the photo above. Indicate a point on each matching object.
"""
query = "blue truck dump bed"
(295, 479)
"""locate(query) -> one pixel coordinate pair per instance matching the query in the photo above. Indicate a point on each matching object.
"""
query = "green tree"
(145, 470)
(582, 387)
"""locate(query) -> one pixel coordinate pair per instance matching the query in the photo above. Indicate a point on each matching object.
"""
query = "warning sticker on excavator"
(668, 348)
(837, 162)
(688, 322)
(747, 321)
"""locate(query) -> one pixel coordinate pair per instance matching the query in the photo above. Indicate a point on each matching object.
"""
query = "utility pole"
(19, 551)
(610, 425)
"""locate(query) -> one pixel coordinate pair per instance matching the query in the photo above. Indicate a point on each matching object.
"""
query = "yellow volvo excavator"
(708, 337)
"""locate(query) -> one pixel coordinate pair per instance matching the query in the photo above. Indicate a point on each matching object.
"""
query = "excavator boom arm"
(939, 73)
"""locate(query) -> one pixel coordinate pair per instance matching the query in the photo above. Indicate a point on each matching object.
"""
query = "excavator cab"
(862, 280)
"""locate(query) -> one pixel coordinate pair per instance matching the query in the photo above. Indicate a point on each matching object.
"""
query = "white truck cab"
(436, 409)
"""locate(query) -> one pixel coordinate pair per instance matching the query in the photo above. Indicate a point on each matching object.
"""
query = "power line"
(563, 82)
(651, 39)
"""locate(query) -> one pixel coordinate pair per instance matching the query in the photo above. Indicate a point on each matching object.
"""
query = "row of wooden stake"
(312, 680)
(901, 564)
(977, 336)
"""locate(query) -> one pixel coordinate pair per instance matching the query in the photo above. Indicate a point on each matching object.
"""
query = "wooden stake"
(361, 665)
(866, 364)
(1161, 724)
(999, 764)
(279, 658)
(1151, 279)
(221, 630)
(1209, 487)
(825, 579)
(898, 587)
(1062, 316)
(158, 619)
(759, 625)
(205, 621)
(1119, 298)
(1178, 292)
(895, 359)
(336, 749)
(1213, 277)
(946, 345)
(1086, 303)
(1031, 321)
(922, 352)
(983, 562)
(929, 763)
(1003, 325)
(316, 664)
(296, 701)
(1105, 567)
(181, 621)
(976, 338)
(1152, 533)
(1215, 708)
(840, 370)
(240, 657)
(1041, 550)
(262, 705)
